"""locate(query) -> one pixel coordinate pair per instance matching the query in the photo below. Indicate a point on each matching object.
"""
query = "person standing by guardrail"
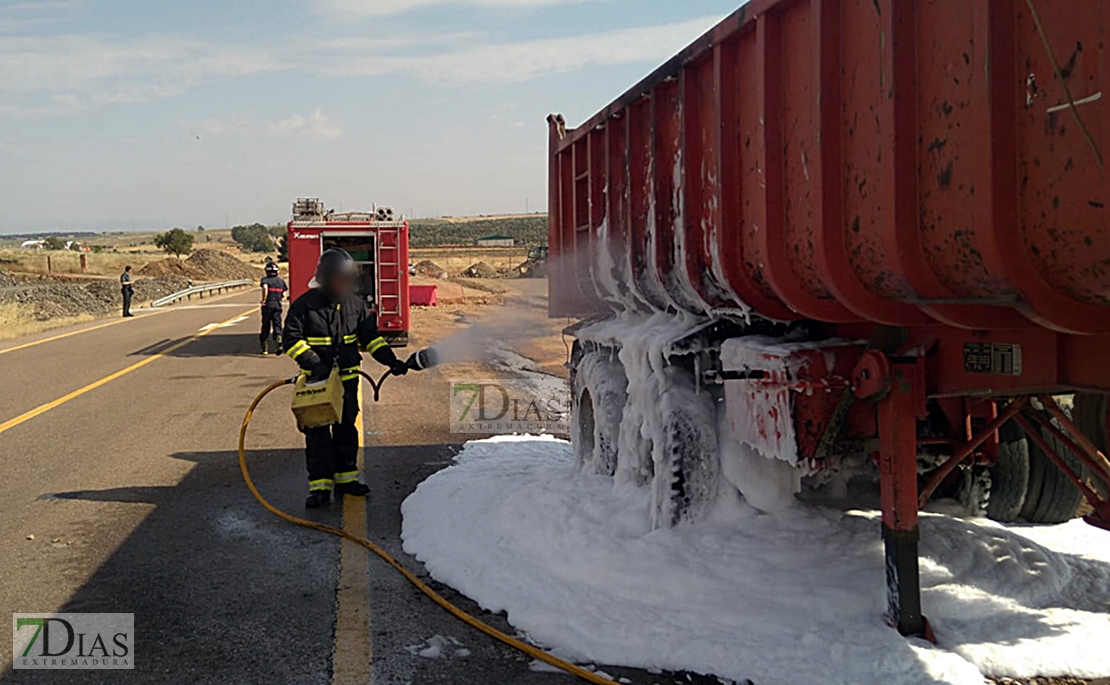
(273, 292)
(126, 289)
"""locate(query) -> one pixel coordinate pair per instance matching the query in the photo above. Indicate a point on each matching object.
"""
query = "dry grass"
(17, 321)
(455, 260)
(66, 262)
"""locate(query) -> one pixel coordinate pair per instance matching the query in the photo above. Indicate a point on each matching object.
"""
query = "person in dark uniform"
(273, 292)
(328, 327)
(126, 289)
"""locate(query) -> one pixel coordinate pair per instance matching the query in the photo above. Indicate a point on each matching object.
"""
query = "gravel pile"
(430, 269)
(202, 266)
(481, 270)
(214, 265)
(48, 300)
(170, 266)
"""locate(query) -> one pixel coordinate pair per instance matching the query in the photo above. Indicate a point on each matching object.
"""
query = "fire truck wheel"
(688, 467)
(600, 387)
(1051, 497)
(1009, 478)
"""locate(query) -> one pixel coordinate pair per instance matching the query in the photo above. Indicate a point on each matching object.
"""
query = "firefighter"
(273, 291)
(328, 327)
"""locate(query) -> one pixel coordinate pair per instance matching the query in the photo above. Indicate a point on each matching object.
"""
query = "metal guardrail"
(200, 290)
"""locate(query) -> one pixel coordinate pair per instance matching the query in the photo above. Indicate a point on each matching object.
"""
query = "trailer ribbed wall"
(903, 162)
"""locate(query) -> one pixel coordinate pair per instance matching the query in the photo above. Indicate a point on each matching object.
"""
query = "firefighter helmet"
(335, 264)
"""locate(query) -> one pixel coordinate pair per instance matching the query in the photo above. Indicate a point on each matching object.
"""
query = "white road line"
(225, 324)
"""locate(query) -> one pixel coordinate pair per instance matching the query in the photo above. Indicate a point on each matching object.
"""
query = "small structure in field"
(495, 241)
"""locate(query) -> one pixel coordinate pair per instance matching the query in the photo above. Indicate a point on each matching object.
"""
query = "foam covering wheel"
(600, 391)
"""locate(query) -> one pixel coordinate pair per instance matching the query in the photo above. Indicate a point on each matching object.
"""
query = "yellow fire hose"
(458, 613)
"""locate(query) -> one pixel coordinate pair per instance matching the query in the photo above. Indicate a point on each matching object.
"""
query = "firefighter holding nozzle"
(328, 328)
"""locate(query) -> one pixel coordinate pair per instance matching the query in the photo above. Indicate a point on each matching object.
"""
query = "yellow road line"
(37, 411)
(66, 335)
(90, 329)
(353, 651)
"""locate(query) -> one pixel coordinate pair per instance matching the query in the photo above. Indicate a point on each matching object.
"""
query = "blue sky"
(179, 112)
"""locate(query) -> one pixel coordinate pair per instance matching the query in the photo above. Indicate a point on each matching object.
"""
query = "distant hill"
(529, 230)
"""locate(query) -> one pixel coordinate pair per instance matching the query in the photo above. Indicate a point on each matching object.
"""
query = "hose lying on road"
(458, 613)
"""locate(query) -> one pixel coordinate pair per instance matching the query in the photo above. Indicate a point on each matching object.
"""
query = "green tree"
(175, 241)
(54, 243)
(283, 249)
(253, 238)
(277, 231)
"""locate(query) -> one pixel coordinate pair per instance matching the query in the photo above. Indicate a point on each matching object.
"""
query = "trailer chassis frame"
(898, 386)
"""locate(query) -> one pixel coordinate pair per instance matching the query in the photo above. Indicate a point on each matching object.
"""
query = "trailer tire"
(687, 462)
(1051, 498)
(600, 391)
(1009, 477)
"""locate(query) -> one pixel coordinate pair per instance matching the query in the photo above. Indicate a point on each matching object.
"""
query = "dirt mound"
(46, 300)
(481, 270)
(7, 280)
(170, 266)
(430, 269)
(213, 265)
(201, 266)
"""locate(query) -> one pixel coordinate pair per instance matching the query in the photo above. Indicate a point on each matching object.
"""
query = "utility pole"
(227, 224)
(526, 204)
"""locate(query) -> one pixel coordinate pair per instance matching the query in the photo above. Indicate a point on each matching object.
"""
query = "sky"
(144, 113)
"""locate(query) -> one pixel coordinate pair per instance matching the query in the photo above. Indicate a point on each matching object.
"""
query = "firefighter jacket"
(319, 331)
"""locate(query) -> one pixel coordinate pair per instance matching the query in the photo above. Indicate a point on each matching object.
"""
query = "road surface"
(121, 493)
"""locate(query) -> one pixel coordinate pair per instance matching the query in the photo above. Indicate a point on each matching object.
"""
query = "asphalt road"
(126, 497)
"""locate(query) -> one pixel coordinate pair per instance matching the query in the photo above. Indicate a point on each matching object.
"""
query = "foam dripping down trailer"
(879, 228)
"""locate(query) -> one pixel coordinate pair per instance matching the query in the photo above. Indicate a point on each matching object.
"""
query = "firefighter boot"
(264, 349)
(355, 489)
(277, 342)
(317, 499)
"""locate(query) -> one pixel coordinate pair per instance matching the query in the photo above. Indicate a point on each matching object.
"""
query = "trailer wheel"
(1010, 476)
(600, 389)
(1051, 497)
(687, 463)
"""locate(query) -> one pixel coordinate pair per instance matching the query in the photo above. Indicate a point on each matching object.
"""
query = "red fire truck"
(379, 243)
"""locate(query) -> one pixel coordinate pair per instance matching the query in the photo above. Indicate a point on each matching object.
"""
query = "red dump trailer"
(884, 226)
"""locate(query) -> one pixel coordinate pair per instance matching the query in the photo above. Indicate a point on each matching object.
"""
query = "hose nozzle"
(423, 360)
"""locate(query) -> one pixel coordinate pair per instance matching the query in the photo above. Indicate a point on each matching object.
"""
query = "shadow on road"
(221, 590)
(214, 345)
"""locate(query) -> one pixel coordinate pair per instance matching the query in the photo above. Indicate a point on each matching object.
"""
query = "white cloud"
(315, 126)
(43, 6)
(526, 60)
(76, 72)
(381, 8)
(89, 63)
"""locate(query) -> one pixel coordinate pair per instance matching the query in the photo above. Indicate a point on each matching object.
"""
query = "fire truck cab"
(379, 244)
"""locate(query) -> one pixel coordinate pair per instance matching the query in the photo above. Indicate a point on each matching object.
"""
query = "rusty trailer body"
(927, 176)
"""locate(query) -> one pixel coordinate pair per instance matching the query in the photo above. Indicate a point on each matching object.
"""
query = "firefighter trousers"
(331, 452)
(271, 320)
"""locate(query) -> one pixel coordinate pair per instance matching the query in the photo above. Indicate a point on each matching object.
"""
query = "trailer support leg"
(903, 402)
